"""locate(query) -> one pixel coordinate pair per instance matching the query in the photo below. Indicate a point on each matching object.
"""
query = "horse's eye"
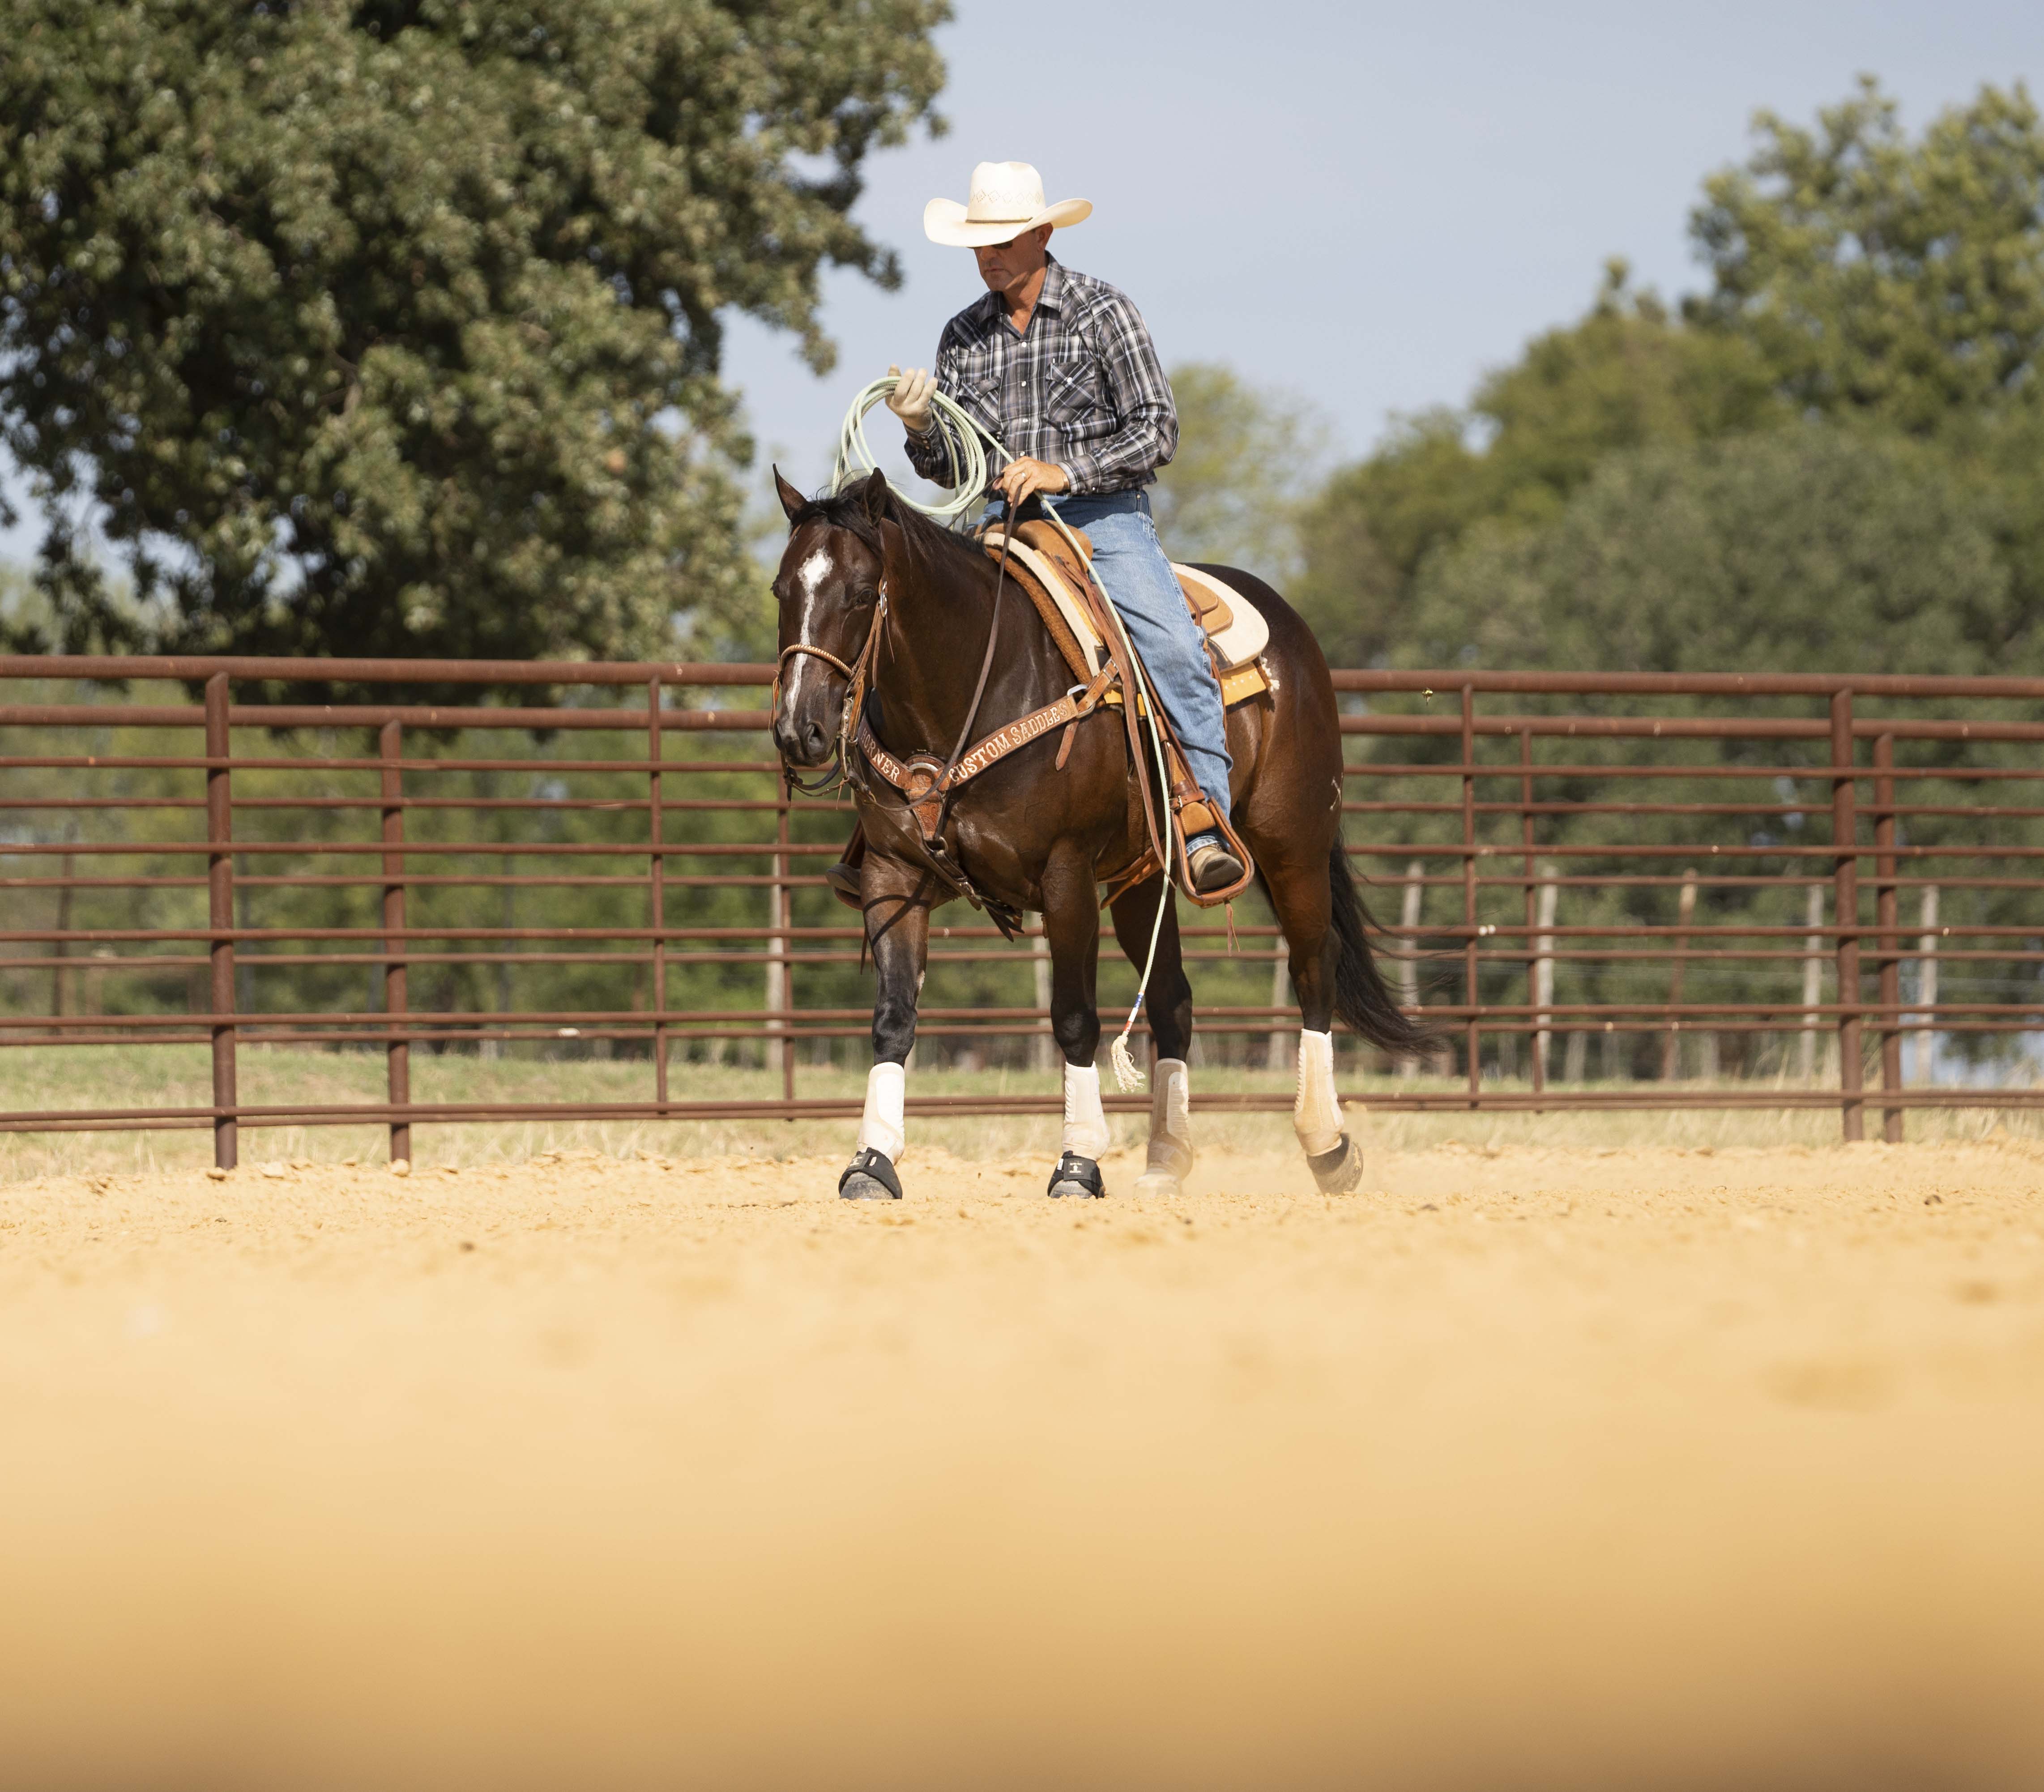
(865, 594)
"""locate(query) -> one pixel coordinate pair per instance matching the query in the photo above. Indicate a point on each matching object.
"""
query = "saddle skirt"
(1235, 630)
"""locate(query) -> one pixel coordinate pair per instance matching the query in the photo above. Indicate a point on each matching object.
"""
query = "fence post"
(66, 868)
(1926, 986)
(1886, 902)
(656, 890)
(398, 1049)
(219, 919)
(1281, 979)
(1409, 950)
(1813, 977)
(1534, 1038)
(1671, 1040)
(1845, 909)
(1543, 978)
(778, 1055)
(1473, 1032)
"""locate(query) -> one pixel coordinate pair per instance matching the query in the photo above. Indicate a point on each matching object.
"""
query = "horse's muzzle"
(805, 745)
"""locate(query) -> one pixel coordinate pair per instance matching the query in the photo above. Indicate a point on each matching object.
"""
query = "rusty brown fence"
(1616, 891)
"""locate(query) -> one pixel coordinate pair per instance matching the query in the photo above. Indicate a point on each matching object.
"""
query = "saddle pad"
(1236, 631)
(1040, 568)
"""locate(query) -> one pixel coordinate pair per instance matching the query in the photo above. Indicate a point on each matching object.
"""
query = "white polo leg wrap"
(1086, 1120)
(1316, 1115)
(881, 1127)
(1171, 1117)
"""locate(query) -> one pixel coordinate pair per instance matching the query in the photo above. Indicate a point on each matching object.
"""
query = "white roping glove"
(910, 401)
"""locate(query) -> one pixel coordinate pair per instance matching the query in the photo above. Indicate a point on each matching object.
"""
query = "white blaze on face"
(809, 577)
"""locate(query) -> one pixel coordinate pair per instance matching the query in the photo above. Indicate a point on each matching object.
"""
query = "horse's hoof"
(869, 1177)
(1078, 1176)
(1339, 1170)
(1165, 1168)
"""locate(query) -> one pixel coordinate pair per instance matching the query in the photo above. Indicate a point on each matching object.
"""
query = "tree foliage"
(1625, 375)
(1247, 461)
(1877, 275)
(1886, 285)
(1808, 549)
(392, 327)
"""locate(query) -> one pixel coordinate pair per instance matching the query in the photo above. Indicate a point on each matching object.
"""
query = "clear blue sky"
(1369, 203)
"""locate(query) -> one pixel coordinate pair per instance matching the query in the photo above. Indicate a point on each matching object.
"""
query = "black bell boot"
(1076, 1176)
(869, 1177)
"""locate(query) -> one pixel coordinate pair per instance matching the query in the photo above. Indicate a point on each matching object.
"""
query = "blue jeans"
(1133, 569)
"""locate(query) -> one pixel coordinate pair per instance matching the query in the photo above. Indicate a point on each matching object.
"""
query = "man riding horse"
(884, 616)
(1059, 370)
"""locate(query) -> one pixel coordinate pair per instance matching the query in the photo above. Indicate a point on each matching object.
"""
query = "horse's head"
(828, 585)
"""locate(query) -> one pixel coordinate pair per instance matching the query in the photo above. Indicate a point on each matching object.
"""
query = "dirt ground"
(1520, 1469)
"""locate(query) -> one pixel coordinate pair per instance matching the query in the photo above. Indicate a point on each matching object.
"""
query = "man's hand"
(1020, 480)
(910, 400)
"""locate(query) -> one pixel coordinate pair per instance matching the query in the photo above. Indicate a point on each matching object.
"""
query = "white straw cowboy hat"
(1007, 199)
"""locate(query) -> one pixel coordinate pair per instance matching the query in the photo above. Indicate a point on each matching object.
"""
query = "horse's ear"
(791, 501)
(874, 495)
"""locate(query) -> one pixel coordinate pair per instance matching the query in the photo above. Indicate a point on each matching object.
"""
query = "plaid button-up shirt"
(1080, 389)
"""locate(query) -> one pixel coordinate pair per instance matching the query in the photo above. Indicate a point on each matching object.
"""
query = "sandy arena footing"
(1522, 1469)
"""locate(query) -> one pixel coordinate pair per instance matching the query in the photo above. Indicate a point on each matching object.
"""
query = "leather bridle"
(854, 696)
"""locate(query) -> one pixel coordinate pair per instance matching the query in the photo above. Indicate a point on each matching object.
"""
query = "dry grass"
(40, 1077)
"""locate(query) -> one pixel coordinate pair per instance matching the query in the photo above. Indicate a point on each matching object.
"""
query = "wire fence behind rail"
(1606, 890)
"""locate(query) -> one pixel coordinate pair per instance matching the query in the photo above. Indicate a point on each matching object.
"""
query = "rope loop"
(856, 457)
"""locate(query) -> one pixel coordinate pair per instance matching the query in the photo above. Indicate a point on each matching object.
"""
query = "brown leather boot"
(1214, 867)
(843, 878)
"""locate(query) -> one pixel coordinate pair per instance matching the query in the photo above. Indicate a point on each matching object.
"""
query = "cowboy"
(1058, 369)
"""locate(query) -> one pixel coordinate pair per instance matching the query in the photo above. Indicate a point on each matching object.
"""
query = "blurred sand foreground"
(1531, 1469)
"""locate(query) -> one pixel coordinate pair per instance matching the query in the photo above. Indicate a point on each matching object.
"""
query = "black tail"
(1361, 997)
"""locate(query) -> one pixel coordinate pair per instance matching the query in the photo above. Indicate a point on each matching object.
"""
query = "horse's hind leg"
(1168, 1001)
(897, 929)
(1071, 924)
(1304, 898)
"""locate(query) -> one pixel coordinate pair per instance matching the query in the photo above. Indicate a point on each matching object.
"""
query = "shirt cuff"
(1081, 474)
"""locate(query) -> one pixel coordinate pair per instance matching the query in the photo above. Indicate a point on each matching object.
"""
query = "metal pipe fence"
(1768, 891)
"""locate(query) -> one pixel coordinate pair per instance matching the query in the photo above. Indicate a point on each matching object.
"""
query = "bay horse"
(867, 584)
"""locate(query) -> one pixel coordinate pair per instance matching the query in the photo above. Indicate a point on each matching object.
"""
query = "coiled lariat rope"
(965, 455)
(965, 452)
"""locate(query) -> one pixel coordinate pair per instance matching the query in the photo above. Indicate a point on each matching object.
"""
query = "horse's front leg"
(1071, 924)
(896, 898)
(1169, 1003)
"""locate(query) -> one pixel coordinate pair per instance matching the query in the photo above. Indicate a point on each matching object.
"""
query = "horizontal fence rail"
(1603, 890)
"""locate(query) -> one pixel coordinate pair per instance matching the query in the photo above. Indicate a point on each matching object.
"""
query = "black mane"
(929, 541)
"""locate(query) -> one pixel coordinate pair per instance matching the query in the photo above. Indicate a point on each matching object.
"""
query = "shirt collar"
(993, 308)
(1054, 284)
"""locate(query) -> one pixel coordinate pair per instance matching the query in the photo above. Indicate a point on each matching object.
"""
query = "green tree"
(1898, 280)
(1625, 375)
(391, 327)
(1805, 549)
(1247, 460)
